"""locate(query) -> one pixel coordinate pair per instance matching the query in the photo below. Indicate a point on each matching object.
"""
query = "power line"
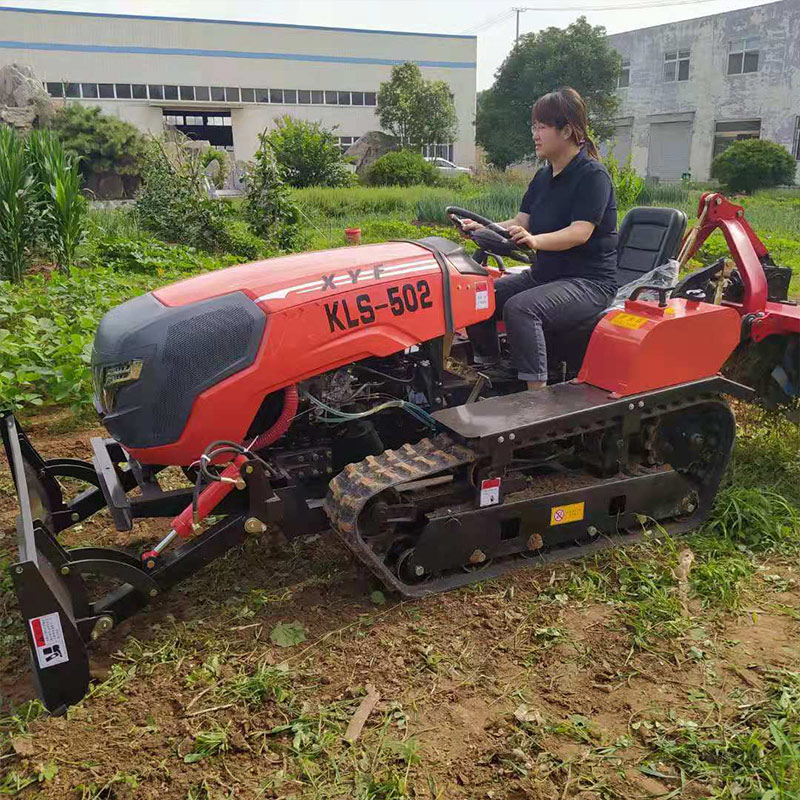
(618, 6)
(489, 22)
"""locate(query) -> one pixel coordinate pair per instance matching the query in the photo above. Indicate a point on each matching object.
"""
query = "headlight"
(109, 378)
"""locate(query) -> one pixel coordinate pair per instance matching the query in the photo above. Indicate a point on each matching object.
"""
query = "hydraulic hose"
(216, 492)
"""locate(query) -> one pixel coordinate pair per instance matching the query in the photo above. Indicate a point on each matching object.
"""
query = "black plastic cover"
(184, 350)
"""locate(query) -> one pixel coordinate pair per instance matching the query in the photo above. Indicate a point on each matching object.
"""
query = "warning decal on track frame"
(561, 515)
(48, 640)
(490, 492)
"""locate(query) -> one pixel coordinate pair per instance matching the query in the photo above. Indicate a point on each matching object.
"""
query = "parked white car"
(449, 167)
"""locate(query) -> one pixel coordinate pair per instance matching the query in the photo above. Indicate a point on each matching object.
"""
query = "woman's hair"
(566, 107)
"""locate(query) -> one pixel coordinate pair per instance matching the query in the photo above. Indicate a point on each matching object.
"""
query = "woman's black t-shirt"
(582, 191)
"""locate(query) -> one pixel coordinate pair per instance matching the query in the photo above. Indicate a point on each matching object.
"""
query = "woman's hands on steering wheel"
(522, 237)
(491, 237)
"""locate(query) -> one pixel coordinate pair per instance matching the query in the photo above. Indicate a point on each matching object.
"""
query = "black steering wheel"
(491, 238)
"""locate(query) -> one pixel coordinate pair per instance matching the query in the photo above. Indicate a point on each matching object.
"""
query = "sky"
(492, 21)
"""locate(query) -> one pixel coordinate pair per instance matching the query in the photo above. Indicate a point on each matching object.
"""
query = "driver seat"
(648, 238)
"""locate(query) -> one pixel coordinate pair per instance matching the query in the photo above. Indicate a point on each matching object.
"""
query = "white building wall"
(77, 47)
(772, 94)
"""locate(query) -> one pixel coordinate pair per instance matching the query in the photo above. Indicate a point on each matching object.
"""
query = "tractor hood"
(278, 283)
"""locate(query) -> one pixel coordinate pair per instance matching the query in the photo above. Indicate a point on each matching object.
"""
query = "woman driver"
(569, 217)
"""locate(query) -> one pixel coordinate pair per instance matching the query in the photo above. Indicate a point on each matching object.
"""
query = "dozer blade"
(50, 602)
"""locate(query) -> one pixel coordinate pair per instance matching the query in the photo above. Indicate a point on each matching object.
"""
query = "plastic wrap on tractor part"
(665, 276)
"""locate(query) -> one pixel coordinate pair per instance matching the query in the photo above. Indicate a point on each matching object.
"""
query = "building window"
(276, 95)
(170, 92)
(676, 65)
(344, 98)
(106, 90)
(444, 151)
(248, 95)
(358, 98)
(156, 92)
(217, 93)
(173, 119)
(193, 120)
(624, 77)
(317, 98)
(304, 97)
(797, 138)
(344, 142)
(187, 92)
(55, 89)
(370, 99)
(123, 91)
(232, 94)
(290, 96)
(139, 91)
(726, 133)
(72, 90)
(201, 93)
(331, 98)
(743, 56)
(89, 90)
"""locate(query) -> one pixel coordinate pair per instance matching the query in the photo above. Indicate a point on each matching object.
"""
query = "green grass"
(754, 756)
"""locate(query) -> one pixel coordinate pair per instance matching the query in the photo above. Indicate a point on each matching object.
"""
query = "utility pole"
(518, 11)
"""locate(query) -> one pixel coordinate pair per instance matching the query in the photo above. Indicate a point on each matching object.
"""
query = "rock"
(369, 148)
(24, 103)
(106, 185)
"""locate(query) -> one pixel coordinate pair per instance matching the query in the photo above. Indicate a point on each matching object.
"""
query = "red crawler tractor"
(335, 390)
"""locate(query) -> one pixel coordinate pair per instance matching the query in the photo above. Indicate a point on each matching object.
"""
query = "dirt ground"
(523, 687)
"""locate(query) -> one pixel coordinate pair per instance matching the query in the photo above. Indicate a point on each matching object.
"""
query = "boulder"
(369, 148)
(24, 104)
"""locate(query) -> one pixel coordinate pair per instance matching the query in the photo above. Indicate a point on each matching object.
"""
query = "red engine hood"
(290, 280)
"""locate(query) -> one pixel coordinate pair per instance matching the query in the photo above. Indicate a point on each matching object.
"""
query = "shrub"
(61, 207)
(752, 164)
(16, 221)
(307, 153)
(172, 202)
(269, 207)
(627, 184)
(402, 168)
(104, 144)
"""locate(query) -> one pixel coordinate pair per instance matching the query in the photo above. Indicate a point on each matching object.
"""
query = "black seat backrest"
(648, 237)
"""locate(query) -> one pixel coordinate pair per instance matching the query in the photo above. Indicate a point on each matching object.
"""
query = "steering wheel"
(491, 238)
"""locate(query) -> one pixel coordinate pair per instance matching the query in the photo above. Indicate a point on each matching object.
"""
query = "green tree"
(104, 144)
(752, 164)
(578, 56)
(416, 111)
(307, 153)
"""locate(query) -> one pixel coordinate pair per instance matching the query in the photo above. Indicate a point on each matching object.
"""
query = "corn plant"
(15, 195)
(60, 204)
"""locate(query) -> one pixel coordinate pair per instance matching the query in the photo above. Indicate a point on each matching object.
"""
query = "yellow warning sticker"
(630, 321)
(560, 515)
